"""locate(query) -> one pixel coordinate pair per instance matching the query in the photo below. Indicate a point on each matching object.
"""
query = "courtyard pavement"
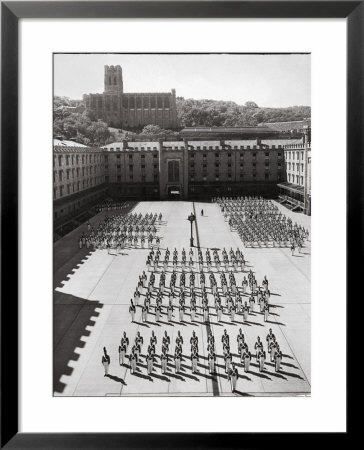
(92, 297)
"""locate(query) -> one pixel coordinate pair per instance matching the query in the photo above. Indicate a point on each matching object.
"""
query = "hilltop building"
(131, 110)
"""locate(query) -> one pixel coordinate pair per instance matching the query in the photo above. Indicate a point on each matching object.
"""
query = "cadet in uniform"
(164, 360)
(258, 347)
(233, 377)
(194, 360)
(177, 359)
(227, 358)
(132, 310)
(150, 361)
(105, 360)
(133, 360)
(261, 359)
(122, 351)
(247, 358)
(278, 359)
(212, 361)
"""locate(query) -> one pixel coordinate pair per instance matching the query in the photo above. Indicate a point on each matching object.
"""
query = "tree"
(251, 105)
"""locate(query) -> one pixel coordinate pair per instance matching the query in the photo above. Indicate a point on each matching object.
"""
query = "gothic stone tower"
(113, 80)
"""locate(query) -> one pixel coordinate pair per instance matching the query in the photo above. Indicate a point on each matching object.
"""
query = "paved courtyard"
(92, 297)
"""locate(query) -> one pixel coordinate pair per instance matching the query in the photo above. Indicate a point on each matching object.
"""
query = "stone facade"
(131, 110)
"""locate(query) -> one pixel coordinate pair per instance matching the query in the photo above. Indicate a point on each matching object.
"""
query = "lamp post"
(191, 218)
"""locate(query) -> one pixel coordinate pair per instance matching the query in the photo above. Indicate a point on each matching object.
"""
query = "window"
(143, 166)
(217, 178)
(117, 156)
(68, 188)
(229, 165)
(204, 178)
(59, 160)
(61, 191)
(266, 176)
(192, 165)
(173, 171)
(130, 167)
(204, 166)
(267, 154)
(118, 166)
(155, 177)
(217, 155)
(254, 165)
(217, 165)
(289, 177)
(155, 166)
(106, 178)
(254, 155)
(55, 192)
(142, 156)
(241, 165)
(67, 160)
(60, 175)
(279, 154)
(302, 181)
(68, 174)
(229, 155)
(130, 156)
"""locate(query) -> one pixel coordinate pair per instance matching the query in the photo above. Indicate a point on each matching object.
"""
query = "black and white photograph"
(181, 224)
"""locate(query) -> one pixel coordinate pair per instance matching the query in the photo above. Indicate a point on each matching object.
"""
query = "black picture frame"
(11, 12)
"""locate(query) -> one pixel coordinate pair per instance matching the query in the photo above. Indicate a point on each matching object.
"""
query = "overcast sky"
(268, 80)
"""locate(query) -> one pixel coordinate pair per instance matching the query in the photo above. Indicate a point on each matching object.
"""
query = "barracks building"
(200, 163)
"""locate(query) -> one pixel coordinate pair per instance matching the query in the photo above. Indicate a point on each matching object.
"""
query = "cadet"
(125, 340)
(122, 351)
(181, 311)
(278, 359)
(150, 361)
(233, 377)
(144, 313)
(133, 360)
(132, 310)
(240, 337)
(158, 311)
(247, 358)
(258, 347)
(194, 360)
(272, 349)
(212, 361)
(170, 311)
(179, 339)
(232, 312)
(261, 359)
(177, 359)
(227, 358)
(270, 336)
(225, 337)
(166, 340)
(245, 311)
(105, 360)
(153, 339)
(251, 303)
(194, 339)
(164, 361)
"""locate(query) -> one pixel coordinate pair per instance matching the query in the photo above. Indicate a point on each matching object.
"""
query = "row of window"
(295, 179)
(241, 177)
(74, 172)
(291, 166)
(77, 159)
(296, 155)
(72, 188)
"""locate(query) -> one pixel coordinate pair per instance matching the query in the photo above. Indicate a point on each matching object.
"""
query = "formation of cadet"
(244, 354)
(184, 291)
(110, 205)
(123, 230)
(259, 223)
